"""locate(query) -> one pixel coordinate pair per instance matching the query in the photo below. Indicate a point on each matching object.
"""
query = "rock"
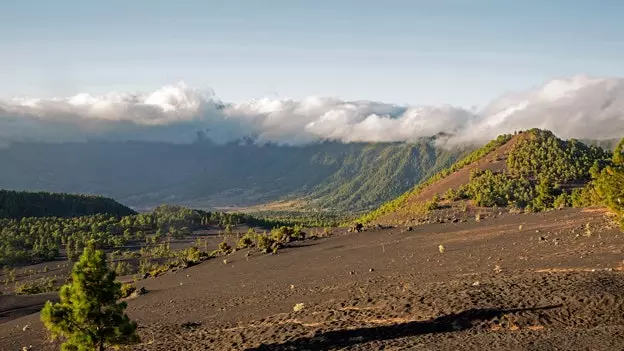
(476, 283)
(371, 269)
(351, 272)
(409, 229)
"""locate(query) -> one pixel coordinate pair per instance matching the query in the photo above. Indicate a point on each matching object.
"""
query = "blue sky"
(418, 52)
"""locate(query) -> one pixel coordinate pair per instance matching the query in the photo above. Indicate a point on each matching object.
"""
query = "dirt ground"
(547, 281)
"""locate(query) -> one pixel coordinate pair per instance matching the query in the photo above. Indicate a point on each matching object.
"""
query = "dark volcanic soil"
(550, 285)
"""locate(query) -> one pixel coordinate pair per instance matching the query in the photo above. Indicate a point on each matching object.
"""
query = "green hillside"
(20, 204)
(532, 170)
(377, 172)
(327, 175)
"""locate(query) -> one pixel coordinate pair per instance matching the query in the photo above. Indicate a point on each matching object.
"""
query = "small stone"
(371, 269)
(476, 283)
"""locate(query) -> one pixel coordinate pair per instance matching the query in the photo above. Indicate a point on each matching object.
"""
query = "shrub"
(122, 268)
(265, 243)
(431, 205)
(285, 234)
(563, 200)
(246, 240)
(225, 248)
(192, 255)
(127, 289)
(35, 287)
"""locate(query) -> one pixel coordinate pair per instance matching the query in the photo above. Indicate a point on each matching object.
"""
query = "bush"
(563, 200)
(285, 234)
(127, 290)
(225, 248)
(266, 243)
(122, 268)
(35, 287)
(431, 205)
(246, 240)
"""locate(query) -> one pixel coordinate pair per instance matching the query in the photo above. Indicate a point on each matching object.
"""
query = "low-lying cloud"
(578, 107)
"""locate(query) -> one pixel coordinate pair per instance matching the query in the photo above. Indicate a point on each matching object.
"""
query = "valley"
(517, 245)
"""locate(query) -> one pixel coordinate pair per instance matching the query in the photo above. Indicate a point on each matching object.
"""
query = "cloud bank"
(579, 107)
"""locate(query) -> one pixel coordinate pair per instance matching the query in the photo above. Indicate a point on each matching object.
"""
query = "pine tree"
(610, 184)
(88, 316)
(545, 195)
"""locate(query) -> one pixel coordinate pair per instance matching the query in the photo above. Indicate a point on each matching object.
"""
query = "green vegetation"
(607, 187)
(333, 176)
(400, 201)
(37, 286)
(497, 189)
(539, 166)
(19, 204)
(373, 173)
(543, 172)
(539, 154)
(88, 316)
(32, 240)
(271, 219)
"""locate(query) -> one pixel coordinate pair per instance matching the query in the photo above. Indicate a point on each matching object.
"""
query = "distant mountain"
(20, 204)
(325, 175)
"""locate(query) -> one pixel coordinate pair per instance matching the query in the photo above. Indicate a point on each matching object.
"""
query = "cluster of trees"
(540, 154)
(501, 189)
(19, 204)
(32, 239)
(543, 172)
(546, 172)
(489, 189)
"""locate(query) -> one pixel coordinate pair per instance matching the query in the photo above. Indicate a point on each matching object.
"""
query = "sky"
(463, 53)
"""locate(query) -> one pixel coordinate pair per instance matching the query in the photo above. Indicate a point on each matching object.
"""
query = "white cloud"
(578, 107)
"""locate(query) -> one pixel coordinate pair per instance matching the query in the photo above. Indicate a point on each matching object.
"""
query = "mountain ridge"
(328, 175)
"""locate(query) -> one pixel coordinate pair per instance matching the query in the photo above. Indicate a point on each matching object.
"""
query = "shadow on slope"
(349, 337)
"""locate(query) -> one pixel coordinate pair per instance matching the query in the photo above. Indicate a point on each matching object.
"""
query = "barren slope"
(547, 285)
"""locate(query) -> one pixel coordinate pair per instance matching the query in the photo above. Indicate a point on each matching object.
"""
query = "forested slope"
(344, 177)
(19, 204)
(532, 170)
